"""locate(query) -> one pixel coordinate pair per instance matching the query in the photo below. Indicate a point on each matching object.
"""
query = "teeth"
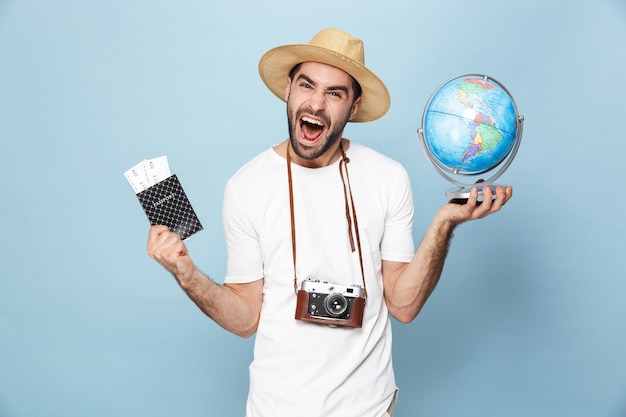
(312, 121)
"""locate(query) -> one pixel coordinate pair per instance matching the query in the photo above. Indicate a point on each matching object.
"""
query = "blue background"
(529, 318)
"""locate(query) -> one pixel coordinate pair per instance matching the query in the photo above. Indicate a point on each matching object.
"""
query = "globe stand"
(463, 189)
(463, 193)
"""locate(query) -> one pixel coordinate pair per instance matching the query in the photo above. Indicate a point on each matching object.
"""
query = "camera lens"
(336, 304)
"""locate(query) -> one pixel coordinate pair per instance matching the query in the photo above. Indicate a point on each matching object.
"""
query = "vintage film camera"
(330, 304)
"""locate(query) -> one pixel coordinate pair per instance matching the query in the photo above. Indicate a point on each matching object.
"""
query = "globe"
(471, 131)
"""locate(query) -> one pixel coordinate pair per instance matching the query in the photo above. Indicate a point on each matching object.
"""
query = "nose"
(317, 101)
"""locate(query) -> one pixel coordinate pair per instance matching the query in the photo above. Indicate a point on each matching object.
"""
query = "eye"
(336, 94)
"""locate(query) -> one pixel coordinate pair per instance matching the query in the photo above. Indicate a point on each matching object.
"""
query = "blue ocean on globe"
(470, 125)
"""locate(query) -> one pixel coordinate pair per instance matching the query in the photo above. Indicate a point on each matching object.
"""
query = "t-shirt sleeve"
(397, 244)
(245, 263)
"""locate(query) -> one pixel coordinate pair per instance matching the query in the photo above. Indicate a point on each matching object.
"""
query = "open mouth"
(311, 129)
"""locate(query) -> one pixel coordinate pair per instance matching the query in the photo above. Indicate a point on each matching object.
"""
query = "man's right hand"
(168, 249)
(235, 307)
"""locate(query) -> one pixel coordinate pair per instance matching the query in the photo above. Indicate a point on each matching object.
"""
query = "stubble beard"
(332, 135)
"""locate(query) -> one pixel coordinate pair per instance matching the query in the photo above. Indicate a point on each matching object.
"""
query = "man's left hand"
(458, 212)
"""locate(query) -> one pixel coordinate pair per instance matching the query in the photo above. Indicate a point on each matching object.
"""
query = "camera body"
(330, 304)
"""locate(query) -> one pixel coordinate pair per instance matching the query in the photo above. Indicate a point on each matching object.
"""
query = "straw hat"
(332, 47)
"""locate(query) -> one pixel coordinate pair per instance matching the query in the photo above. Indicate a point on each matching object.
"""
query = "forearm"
(234, 310)
(412, 285)
(408, 286)
(234, 307)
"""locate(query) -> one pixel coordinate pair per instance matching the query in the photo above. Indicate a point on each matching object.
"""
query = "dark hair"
(356, 87)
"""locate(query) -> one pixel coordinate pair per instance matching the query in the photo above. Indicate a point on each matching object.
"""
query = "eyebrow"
(331, 88)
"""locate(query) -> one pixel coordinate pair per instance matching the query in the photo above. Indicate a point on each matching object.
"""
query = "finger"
(500, 199)
(502, 196)
(487, 193)
(486, 204)
(508, 192)
(154, 233)
(493, 200)
(159, 238)
(505, 193)
(169, 251)
(157, 230)
(472, 200)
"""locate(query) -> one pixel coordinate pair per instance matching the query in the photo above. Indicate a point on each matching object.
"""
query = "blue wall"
(529, 317)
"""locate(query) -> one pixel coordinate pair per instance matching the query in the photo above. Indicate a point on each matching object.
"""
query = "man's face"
(320, 101)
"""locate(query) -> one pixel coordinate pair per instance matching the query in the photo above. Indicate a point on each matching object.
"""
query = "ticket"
(157, 169)
(147, 173)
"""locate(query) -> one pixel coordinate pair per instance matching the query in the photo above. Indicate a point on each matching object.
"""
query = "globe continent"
(470, 125)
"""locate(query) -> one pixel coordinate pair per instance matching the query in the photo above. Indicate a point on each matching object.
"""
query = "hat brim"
(275, 65)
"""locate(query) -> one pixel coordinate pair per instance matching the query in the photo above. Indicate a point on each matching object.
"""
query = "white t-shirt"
(305, 369)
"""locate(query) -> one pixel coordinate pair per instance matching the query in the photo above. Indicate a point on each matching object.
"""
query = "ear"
(287, 88)
(355, 107)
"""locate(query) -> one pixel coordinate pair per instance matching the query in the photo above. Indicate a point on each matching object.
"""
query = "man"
(318, 207)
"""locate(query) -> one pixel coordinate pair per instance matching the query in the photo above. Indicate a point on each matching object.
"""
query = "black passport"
(166, 203)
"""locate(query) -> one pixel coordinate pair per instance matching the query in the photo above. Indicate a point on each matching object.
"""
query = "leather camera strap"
(350, 214)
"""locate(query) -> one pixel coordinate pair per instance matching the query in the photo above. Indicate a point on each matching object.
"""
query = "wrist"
(444, 223)
(186, 278)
